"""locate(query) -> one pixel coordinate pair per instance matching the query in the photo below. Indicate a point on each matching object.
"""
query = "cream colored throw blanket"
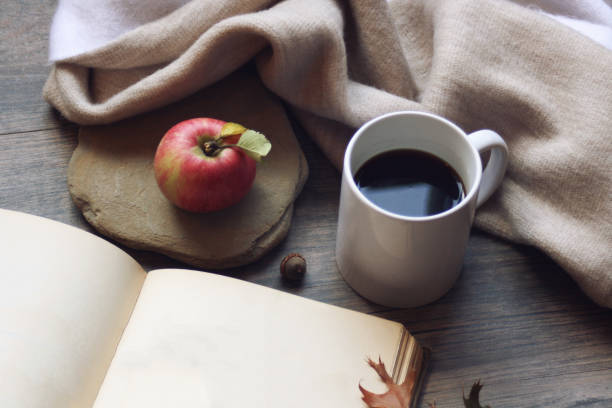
(481, 63)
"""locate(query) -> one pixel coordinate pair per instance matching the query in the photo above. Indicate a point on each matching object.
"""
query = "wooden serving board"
(111, 180)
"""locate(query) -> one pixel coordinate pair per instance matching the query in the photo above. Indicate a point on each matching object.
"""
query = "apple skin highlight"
(194, 181)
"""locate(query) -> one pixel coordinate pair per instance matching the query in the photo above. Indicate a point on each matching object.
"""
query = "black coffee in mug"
(410, 182)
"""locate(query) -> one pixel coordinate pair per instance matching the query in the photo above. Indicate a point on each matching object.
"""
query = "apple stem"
(211, 148)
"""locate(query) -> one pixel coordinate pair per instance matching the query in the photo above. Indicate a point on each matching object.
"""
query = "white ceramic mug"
(402, 261)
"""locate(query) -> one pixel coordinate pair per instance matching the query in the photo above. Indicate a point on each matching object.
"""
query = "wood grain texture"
(514, 319)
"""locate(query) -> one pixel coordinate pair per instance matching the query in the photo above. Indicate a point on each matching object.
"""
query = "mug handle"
(493, 173)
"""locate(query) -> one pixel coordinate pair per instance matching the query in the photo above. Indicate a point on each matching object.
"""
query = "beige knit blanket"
(481, 63)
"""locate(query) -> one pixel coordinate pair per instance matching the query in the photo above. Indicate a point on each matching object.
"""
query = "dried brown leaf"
(473, 401)
(397, 396)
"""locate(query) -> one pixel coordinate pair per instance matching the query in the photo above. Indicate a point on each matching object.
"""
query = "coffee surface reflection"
(410, 182)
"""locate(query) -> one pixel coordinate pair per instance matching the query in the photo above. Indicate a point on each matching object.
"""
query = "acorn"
(293, 267)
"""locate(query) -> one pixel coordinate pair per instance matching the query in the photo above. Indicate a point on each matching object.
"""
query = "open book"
(83, 325)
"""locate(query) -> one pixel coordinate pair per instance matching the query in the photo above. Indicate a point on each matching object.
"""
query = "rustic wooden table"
(514, 319)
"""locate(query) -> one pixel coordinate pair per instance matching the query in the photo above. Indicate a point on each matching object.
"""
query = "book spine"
(410, 356)
(407, 352)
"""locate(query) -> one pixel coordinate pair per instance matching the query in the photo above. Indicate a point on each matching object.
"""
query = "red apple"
(201, 164)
